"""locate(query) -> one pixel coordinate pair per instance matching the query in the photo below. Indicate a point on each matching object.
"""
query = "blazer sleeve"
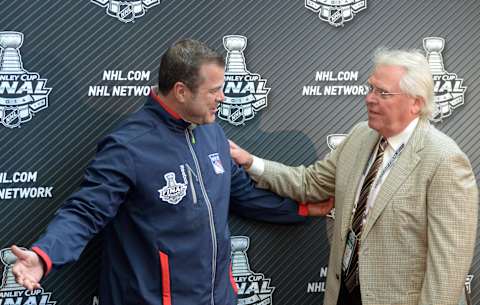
(452, 207)
(313, 183)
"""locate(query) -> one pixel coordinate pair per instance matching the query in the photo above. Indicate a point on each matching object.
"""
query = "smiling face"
(200, 107)
(389, 109)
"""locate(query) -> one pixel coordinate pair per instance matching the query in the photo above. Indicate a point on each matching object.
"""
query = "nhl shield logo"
(10, 117)
(125, 12)
(336, 16)
(245, 92)
(236, 115)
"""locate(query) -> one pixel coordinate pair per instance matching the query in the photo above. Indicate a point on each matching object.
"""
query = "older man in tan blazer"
(405, 195)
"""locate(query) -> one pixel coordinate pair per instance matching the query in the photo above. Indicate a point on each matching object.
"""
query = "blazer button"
(337, 276)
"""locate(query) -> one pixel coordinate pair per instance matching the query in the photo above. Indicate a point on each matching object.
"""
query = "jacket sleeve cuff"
(303, 209)
(45, 258)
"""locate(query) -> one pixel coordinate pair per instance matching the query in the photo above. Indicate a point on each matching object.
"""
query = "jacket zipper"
(210, 211)
(194, 193)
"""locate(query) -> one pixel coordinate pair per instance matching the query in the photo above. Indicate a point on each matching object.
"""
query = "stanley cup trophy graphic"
(235, 62)
(254, 288)
(448, 87)
(8, 280)
(240, 266)
(23, 93)
(173, 192)
(245, 93)
(10, 59)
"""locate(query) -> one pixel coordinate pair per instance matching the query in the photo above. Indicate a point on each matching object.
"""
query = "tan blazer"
(418, 241)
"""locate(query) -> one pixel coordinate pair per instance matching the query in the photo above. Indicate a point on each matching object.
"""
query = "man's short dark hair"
(181, 63)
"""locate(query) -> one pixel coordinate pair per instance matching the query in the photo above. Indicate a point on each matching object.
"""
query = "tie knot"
(383, 144)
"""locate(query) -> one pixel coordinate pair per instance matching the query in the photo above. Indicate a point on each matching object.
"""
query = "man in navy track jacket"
(161, 186)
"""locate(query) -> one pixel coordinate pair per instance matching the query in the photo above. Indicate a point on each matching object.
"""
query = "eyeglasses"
(380, 92)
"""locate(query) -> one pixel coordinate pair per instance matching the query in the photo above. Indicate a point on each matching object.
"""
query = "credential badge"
(173, 192)
(245, 92)
(126, 11)
(22, 93)
(336, 12)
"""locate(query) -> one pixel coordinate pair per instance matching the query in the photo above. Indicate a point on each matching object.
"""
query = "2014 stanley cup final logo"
(253, 288)
(449, 92)
(336, 12)
(126, 11)
(22, 93)
(12, 293)
(245, 92)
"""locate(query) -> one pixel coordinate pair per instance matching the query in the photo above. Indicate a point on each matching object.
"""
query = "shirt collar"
(396, 141)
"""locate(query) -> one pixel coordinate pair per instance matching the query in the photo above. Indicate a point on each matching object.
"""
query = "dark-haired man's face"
(201, 106)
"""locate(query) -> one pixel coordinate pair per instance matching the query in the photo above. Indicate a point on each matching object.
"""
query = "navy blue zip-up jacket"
(161, 190)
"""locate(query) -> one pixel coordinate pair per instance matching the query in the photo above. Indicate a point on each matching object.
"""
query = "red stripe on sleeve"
(46, 259)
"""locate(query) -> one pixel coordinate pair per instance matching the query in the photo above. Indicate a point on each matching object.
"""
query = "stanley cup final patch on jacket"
(173, 192)
(216, 163)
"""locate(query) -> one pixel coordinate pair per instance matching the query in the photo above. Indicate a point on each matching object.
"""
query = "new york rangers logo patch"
(216, 163)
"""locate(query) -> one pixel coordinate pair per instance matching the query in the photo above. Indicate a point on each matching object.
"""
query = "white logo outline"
(449, 89)
(336, 12)
(125, 11)
(253, 287)
(245, 92)
(25, 92)
(173, 191)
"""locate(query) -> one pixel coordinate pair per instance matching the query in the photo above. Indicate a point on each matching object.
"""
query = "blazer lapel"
(400, 171)
(359, 166)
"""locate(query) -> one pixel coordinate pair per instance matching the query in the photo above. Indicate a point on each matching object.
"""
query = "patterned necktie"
(351, 278)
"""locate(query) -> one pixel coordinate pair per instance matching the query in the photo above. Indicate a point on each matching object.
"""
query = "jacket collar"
(156, 105)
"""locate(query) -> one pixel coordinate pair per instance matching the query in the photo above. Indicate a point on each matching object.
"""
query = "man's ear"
(418, 104)
(180, 91)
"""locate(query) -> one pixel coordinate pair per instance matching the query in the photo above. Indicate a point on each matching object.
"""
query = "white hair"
(417, 81)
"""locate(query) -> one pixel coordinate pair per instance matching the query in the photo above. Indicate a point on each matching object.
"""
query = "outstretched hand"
(321, 208)
(28, 268)
(240, 155)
